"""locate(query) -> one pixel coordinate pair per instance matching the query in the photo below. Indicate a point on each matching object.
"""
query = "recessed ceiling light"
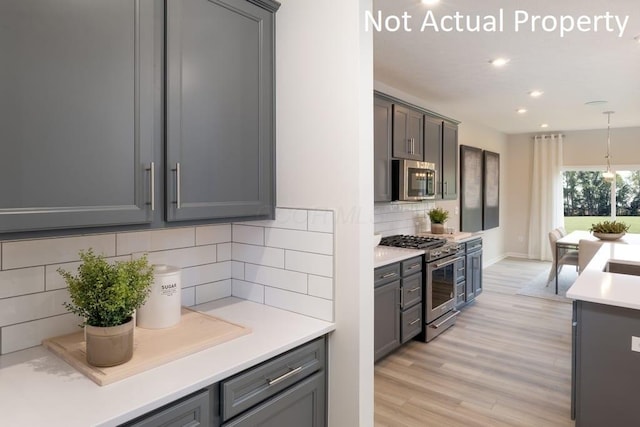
(521, 110)
(499, 62)
(544, 125)
(430, 2)
(536, 93)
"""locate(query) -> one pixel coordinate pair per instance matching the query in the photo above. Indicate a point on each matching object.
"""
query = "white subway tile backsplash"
(321, 221)
(247, 234)
(213, 291)
(299, 303)
(188, 296)
(34, 306)
(224, 252)
(212, 234)
(305, 262)
(30, 334)
(21, 281)
(306, 241)
(295, 219)
(321, 287)
(246, 260)
(237, 270)
(261, 255)
(31, 253)
(192, 276)
(276, 277)
(154, 240)
(185, 257)
(247, 290)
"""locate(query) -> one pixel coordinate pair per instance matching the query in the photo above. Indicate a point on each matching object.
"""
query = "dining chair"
(564, 257)
(562, 231)
(586, 250)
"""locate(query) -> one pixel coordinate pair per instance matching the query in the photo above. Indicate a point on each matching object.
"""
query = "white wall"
(325, 160)
(473, 134)
(584, 148)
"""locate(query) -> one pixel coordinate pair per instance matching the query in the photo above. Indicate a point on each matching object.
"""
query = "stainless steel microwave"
(412, 180)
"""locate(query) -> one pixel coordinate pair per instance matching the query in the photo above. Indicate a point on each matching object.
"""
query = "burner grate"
(412, 242)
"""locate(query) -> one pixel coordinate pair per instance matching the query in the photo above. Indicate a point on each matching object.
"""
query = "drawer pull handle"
(193, 424)
(417, 288)
(285, 376)
(385, 276)
(411, 267)
(414, 322)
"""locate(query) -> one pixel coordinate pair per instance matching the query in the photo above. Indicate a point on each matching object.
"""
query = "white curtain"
(547, 211)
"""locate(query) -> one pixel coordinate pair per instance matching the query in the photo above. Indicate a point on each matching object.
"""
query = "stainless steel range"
(444, 262)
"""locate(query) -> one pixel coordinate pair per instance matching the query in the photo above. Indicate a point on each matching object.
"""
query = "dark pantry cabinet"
(83, 102)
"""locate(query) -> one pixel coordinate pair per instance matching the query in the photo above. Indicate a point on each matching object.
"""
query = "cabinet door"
(382, 121)
(473, 275)
(433, 148)
(449, 161)
(386, 334)
(302, 405)
(220, 130)
(76, 113)
(407, 133)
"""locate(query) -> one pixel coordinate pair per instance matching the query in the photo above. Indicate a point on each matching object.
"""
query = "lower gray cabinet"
(191, 411)
(386, 328)
(303, 405)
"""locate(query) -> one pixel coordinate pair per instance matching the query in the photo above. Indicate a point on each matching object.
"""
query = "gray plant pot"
(109, 346)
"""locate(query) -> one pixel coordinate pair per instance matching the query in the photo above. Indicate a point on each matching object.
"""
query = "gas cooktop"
(412, 242)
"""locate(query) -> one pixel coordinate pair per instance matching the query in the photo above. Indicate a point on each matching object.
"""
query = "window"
(588, 198)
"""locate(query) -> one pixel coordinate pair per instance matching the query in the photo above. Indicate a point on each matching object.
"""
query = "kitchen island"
(606, 338)
(39, 389)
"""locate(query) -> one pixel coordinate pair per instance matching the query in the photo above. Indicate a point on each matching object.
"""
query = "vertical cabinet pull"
(152, 185)
(177, 171)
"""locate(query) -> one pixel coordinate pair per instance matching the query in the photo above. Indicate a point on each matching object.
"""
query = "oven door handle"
(444, 264)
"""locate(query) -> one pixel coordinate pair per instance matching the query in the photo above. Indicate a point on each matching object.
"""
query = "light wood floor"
(506, 362)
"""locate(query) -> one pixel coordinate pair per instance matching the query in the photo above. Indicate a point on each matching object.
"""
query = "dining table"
(572, 240)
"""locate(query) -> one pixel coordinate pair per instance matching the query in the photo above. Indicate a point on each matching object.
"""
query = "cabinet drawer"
(193, 411)
(304, 404)
(473, 245)
(411, 266)
(460, 293)
(255, 385)
(411, 290)
(386, 274)
(411, 322)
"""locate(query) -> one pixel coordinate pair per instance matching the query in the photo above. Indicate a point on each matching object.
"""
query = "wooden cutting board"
(152, 347)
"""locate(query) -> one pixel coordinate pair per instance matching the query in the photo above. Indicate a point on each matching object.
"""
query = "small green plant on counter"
(609, 227)
(438, 215)
(107, 294)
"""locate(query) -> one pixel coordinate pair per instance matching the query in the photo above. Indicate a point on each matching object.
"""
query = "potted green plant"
(438, 216)
(106, 296)
(609, 230)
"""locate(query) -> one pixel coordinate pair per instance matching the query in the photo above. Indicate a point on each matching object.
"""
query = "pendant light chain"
(608, 175)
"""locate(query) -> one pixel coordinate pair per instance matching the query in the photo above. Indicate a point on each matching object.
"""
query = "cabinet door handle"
(284, 376)
(193, 423)
(411, 267)
(414, 322)
(386, 276)
(152, 185)
(446, 187)
(177, 171)
(417, 288)
(409, 145)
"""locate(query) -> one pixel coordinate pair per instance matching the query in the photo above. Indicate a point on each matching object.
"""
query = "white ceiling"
(451, 70)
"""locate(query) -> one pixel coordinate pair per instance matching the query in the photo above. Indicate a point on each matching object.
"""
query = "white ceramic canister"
(162, 308)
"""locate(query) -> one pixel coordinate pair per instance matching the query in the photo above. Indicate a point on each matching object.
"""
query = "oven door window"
(420, 182)
(443, 281)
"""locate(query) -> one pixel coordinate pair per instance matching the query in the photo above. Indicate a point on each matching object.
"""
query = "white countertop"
(39, 389)
(596, 285)
(384, 255)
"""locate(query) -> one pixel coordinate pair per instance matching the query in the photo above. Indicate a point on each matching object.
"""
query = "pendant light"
(608, 175)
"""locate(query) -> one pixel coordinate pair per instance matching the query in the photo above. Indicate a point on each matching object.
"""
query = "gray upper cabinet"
(407, 133)
(76, 113)
(433, 148)
(449, 161)
(383, 122)
(220, 109)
